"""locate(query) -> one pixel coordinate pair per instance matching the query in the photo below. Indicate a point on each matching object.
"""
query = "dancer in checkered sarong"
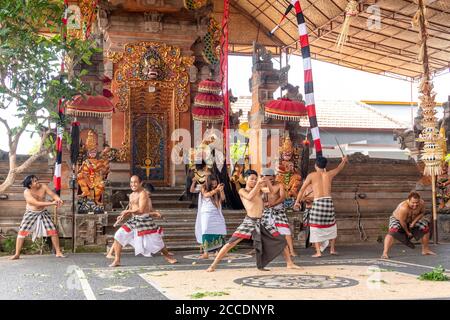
(267, 241)
(140, 231)
(274, 196)
(37, 220)
(409, 221)
(322, 221)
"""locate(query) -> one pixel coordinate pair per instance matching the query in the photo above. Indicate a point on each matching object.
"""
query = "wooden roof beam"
(255, 22)
(388, 66)
(250, 2)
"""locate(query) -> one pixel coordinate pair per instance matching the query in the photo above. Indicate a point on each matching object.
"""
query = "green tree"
(31, 50)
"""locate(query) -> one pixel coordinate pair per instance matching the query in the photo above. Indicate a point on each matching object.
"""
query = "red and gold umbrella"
(90, 106)
(286, 109)
(208, 100)
(210, 86)
(210, 115)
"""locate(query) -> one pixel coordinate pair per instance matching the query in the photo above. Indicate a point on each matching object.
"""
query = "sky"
(330, 82)
(336, 82)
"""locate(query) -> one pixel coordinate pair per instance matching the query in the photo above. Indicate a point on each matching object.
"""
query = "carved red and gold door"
(149, 142)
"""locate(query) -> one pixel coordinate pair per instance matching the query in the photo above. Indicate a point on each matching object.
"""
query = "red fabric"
(321, 225)
(242, 236)
(224, 74)
(57, 183)
(308, 75)
(304, 41)
(311, 110)
(126, 228)
(143, 233)
(52, 232)
(318, 145)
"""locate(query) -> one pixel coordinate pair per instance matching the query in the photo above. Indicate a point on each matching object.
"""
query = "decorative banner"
(60, 124)
(224, 74)
(308, 78)
(307, 69)
(351, 10)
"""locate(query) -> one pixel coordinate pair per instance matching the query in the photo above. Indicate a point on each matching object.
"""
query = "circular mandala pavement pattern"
(229, 256)
(296, 282)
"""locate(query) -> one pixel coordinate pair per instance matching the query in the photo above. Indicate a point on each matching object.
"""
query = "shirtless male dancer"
(322, 220)
(252, 200)
(274, 196)
(140, 231)
(37, 219)
(408, 220)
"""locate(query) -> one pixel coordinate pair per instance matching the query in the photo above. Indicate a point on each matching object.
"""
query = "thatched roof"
(390, 50)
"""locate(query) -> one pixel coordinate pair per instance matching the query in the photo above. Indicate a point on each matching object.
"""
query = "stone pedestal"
(443, 227)
(90, 230)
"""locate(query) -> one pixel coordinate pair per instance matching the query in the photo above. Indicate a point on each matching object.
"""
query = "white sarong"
(142, 234)
(209, 220)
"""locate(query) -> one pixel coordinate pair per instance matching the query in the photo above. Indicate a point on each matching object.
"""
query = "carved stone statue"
(445, 121)
(92, 174)
(287, 174)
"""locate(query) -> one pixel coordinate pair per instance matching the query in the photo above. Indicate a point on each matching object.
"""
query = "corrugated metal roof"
(338, 114)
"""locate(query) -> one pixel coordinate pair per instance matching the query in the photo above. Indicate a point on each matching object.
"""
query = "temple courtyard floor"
(357, 273)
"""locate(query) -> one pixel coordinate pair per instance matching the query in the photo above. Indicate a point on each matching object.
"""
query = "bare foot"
(384, 256)
(115, 264)
(334, 253)
(109, 256)
(317, 255)
(204, 256)
(211, 269)
(15, 257)
(168, 253)
(293, 266)
(170, 260)
(428, 252)
(60, 255)
(293, 254)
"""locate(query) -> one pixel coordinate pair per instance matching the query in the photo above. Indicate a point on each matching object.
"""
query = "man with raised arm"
(267, 240)
(322, 220)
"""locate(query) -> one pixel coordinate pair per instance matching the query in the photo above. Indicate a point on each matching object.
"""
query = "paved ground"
(87, 276)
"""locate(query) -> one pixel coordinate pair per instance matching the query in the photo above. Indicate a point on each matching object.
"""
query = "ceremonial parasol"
(90, 106)
(286, 109)
(209, 100)
(210, 115)
(208, 103)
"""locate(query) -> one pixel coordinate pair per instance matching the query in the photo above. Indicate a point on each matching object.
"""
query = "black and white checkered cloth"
(30, 222)
(322, 213)
(248, 227)
(143, 224)
(422, 225)
(278, 215)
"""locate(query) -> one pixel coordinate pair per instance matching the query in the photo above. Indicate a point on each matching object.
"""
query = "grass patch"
(378, 281)
(436, 275)
(200, 295)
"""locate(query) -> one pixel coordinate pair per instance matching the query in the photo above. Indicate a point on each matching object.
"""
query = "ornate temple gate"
(150, 134)
(151, 82)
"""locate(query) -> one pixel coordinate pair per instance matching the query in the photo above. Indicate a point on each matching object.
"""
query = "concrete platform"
(357, 273)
